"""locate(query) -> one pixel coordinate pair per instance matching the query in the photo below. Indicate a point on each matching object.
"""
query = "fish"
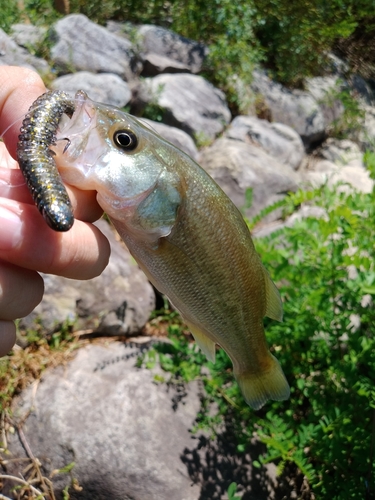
(185, 234)
(35, 158)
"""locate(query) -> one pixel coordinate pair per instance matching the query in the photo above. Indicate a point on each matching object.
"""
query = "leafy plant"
(232, 492)
(350, 121)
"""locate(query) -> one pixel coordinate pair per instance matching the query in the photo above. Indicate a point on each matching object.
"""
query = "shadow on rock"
(216, 464)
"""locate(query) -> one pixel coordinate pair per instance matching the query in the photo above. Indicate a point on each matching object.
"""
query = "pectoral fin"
(156, 215)
(274, 305)
(206, 344)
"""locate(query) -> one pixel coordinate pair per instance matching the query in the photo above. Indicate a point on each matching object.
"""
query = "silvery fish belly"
(184, 232)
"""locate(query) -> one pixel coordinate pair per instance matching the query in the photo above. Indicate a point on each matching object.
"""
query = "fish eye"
(125, 139)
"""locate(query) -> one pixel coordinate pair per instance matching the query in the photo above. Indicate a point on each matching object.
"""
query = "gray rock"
(236, 166)
(117, 302)
(103, 87)
(14, 55)
(341, 152)
(325, 91)
(366, 136)
(278, 140)
(191, 103)
(164, 51)
(299, 109)
(125, 433)
(174, 135)
(323, 171)
(82, 45)
(27, 35)
(361, 89)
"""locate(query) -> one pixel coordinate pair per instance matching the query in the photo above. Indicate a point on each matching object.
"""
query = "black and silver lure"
(35, 158)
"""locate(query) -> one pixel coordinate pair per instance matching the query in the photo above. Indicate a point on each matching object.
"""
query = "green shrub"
(10, 14)
(325, 271)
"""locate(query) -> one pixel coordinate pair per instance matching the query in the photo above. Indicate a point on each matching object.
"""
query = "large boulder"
(341, 152)
(118, 302)
(277, 139)
(14, 55)
(164, 51)
(322, 171)
(237, 166)
(191, 103)
(103, 87)
(309, 113)
(27, 35)
(128, 436)
(124, 433)
(81, 45)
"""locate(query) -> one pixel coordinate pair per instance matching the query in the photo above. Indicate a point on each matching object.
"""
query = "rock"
(14, 55)
(237, 166)
(325, 90)
(278, 140)
(117, 302)
(164, 51)
(27, 35)
(341, 152)
(366, 135)
(174, 135)
(104, 87)
(190, 103)
(362, 90)
(323, 171)
(128, 436)
(125, 433)
(299, 109)
(81, 45)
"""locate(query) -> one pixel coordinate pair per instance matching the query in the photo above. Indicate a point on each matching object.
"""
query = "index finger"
(19, 87)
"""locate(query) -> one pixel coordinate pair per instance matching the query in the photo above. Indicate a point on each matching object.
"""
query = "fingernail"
(10, 228)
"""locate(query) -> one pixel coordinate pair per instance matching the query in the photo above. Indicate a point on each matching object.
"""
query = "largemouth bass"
(185, 234)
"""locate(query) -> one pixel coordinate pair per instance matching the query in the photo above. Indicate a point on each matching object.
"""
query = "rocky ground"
(128, 436)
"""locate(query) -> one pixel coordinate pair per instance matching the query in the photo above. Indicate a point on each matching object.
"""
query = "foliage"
(232, 492)
(10, 14)
(291, 37)
(297, 34)
(350, 122)
(22, 366)
(325, 271)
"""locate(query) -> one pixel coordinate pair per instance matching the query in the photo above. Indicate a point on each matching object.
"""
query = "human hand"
(27, 244)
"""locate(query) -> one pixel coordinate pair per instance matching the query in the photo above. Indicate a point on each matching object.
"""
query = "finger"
(13, 186)
(19, 87)
(7, 336)
(27, 241)
(21, 290)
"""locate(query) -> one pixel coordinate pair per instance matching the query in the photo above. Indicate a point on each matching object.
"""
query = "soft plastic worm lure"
(35, 158)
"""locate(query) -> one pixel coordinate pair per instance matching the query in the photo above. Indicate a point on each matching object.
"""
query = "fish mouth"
(79, 123)
(79, 145)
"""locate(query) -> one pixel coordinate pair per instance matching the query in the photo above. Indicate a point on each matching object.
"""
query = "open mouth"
(78, 123)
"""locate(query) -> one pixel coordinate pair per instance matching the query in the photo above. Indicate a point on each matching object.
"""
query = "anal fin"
(274, 305)
(207, 345)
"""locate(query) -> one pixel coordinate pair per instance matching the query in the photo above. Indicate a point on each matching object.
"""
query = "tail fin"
(258, 388)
